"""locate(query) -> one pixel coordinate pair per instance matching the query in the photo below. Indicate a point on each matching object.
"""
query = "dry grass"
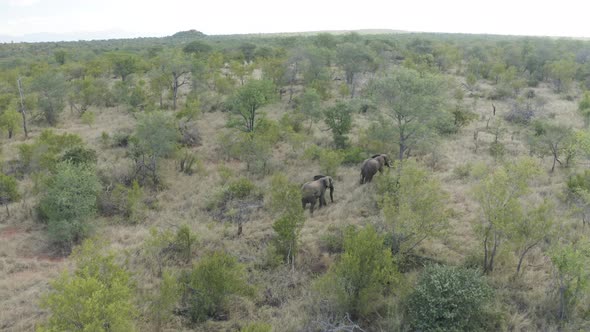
(25, 267)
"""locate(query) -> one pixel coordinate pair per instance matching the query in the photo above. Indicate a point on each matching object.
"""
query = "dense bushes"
(449, 299)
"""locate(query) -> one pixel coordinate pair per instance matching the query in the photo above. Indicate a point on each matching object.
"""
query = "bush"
(333, 240)
(68, 202)
(8, 190)
(257, 327)
(240, 188)
(43, 154)
(463, 171)
(353, 155)
(98, 296)
(329, 162)
(358, 282)
(124, 201)
(449, 299)
(497, 150)
(206, 288)
(80, 155)
(121, 138)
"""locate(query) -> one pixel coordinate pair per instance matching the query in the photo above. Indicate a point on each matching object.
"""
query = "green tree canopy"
(412, 102)
(97, 296)
(246, 102)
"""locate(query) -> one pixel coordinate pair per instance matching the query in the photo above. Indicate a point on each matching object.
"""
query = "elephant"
(372, 165)
(311, 191)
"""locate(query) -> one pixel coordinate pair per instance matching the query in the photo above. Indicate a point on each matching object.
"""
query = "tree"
(285, 202)
(414, 206)
(60, 56)
(309, 105)
(124, 64)
(241, 70)
(246, 102)
(412, 102)
(69, 202)
(97, 296)
(176, 66)
(562, 73)
(206, 288)
(197, 48)
(449, 299)
(527, 231)
(51, 88)
(155, 137)
(552, 139)
(572, 274)
(339, 120)
(584, 107)
(9, 121)
(354, 59)
(8, 191)
(357, 282)
(498, 195)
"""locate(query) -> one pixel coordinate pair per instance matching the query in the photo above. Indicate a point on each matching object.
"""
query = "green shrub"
(579, 181)
(124, 201)
(497, 150)
(353, 155)
(206, 288)
(240, 188)
(88, 118)
(257, 327)
(333, 240)
(463, 171)
(80, 155)
(449, 299)
(364, 275)
(313, 152)
(8, 190)
(329, 162)
(43, 154)
(68, 202)
(121, 138)
(98, 296)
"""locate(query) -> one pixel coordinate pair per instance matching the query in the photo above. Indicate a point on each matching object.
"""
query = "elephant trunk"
(332, 194)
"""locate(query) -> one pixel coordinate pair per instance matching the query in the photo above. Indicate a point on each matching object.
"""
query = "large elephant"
(372, 165)
(314, 190)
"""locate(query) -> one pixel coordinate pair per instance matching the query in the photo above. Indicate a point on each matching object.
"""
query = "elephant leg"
(322, 201)
(312, 205)
(303, 203)
(362, 179)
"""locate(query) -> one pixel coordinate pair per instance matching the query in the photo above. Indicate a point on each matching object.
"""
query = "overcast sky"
(132, 18)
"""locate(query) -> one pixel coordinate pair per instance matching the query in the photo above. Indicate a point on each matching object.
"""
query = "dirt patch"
(10, 231)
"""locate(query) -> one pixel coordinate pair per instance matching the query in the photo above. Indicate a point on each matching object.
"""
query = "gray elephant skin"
(373, 165)
(314, 190)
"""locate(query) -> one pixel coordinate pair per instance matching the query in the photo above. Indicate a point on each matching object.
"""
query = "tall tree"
(51, 89)
(246, 102)
(498, 195)
(413, 102)
(354, 59)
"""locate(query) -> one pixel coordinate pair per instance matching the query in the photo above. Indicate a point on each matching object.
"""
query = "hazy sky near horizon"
(132, 18)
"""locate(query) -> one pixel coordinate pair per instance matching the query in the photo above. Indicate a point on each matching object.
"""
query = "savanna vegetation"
(154, 184)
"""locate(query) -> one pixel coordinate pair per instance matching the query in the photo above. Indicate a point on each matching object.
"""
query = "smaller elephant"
(314, 190)
(372, 165)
